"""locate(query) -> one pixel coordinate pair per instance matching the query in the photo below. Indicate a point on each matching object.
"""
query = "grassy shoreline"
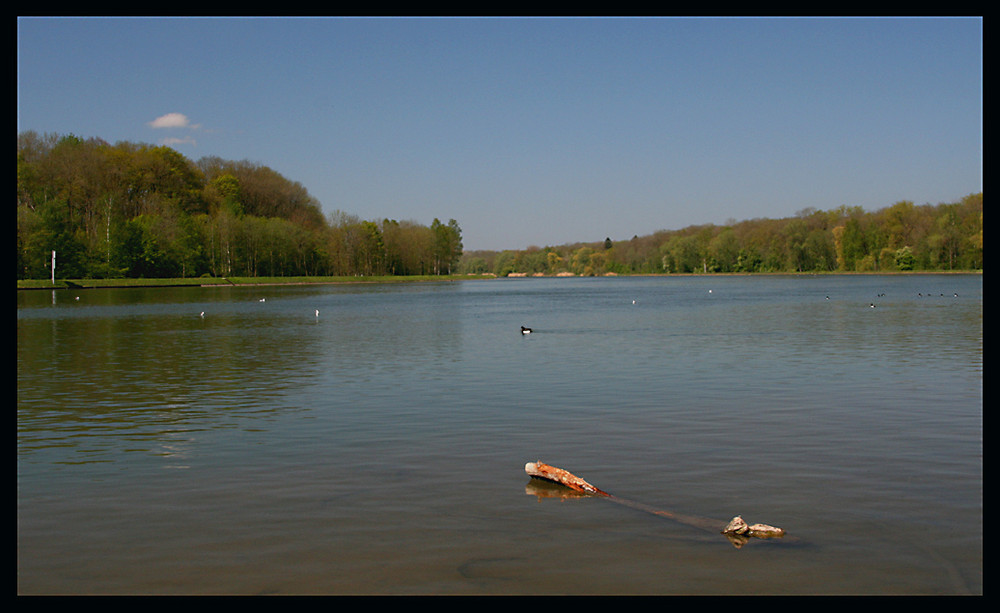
(257, 281)
(233, 281)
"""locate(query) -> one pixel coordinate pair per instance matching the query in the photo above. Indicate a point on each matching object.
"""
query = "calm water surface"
(379, 446)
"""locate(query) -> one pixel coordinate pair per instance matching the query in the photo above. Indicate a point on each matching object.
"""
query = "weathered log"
(737, 531)
(541, 470)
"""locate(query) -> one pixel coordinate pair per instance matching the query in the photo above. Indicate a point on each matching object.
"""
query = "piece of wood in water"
(738, 531)
(541, 470)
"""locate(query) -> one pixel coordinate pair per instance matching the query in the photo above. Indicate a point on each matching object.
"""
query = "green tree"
(581, 261)
(447, 245)
(723, 251)
(853, 246)
(904, 258)
(504, 263)
(553, 261)
(370, 249)
(683, 254)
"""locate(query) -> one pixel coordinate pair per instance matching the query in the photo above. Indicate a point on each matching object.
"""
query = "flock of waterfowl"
(872, 305)
(525, 330)
(919, 295)
(202, 314)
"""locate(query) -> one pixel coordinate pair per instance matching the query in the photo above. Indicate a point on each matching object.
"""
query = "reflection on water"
(378, 446)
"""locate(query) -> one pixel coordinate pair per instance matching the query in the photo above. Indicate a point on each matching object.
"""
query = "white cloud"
(175, 120)
(172, 120)
(187, 140)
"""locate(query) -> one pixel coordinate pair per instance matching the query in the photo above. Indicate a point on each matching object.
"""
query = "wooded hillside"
(900, 237)
(136, 210)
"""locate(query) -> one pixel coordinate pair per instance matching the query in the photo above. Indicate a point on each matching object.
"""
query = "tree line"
(900, 237)
(132, 210)
(136, 210)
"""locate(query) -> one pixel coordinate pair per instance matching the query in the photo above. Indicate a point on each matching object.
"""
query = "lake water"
(379, 446)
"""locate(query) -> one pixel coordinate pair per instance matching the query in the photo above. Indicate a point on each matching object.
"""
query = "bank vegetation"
(138, 211)
(133, 210)
(899, 237)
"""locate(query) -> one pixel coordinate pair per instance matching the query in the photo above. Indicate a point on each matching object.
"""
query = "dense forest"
(900, 237)
(142, 211)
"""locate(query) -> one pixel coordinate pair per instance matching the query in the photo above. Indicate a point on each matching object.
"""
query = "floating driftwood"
(737, 530)
(541, 470)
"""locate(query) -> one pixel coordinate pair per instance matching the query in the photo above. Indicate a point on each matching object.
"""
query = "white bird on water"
(317, 312)
(525, 330)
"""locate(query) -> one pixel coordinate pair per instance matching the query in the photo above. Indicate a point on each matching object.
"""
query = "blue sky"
(536, 131)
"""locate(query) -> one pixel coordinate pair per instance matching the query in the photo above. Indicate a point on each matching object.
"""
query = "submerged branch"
(737, 531)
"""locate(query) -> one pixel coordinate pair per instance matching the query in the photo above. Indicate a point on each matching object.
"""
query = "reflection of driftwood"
(540, 488)
(737, 531)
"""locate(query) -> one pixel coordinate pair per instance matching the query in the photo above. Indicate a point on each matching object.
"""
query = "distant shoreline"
(277, 281)
(235, 281)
